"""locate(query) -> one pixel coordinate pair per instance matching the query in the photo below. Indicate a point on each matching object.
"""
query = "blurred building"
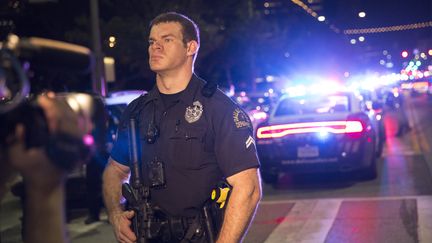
(9, 10)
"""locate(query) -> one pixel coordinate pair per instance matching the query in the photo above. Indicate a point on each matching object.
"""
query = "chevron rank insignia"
(250, 141)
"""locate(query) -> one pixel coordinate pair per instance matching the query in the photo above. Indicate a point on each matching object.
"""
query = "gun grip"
(129, 194)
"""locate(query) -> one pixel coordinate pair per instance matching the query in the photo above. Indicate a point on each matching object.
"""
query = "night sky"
(384, 13)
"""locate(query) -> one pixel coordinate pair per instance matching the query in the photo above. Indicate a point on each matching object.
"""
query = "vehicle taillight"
(353, 127)
(378, 110)
(338, 127)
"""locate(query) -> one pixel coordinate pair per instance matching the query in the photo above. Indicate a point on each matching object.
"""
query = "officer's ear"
(192, 47)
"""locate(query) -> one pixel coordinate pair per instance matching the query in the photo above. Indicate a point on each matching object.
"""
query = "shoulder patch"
(241, 119)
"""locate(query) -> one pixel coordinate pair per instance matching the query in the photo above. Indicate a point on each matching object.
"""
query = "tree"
(239, 41)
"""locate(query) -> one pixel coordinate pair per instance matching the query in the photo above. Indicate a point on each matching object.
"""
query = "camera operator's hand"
(44, 190)
(43, 178)
(121, 223)
(33, 163)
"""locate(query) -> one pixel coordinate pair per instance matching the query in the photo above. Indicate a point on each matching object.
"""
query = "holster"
(183, 230)
(214, 218)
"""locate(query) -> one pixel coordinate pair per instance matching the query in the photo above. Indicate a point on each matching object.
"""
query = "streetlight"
(112, 41)
(362, 14)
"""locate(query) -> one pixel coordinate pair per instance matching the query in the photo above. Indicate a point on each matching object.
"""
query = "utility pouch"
(177, 228)
(156, 173)
(184, 230)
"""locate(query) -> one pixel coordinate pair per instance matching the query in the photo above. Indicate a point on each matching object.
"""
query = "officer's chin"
(156, 68)
(154, 62)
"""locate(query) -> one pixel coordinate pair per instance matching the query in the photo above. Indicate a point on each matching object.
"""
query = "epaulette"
(209, 89)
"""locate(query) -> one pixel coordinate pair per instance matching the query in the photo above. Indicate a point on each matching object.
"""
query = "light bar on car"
(282, 130)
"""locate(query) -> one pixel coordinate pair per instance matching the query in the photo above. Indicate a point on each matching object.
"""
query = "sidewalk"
(10, 224)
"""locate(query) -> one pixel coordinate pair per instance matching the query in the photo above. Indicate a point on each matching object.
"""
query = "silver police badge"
(194, 112)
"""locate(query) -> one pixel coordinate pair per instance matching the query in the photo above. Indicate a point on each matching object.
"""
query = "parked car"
(116, 103)
(318, 133)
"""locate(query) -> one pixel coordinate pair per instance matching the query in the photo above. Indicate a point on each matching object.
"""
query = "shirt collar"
(187, 96)
(192, 90)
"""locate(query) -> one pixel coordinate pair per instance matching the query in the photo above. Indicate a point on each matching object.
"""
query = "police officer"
(194, 130)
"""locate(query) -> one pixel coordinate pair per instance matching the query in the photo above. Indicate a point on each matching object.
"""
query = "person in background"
(400, 108)
(96, 164)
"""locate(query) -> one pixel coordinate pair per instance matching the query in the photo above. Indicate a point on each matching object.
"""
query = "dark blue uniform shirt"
(202, 140)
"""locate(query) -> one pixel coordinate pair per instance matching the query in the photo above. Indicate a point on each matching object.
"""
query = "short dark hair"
(190, 29)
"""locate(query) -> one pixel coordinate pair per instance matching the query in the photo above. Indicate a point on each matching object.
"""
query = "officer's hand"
(121, 223)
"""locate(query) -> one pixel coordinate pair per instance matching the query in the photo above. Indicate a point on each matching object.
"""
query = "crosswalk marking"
(400, 149)
(344, 199)
(424, 212)
(402, 152)
(308, 221)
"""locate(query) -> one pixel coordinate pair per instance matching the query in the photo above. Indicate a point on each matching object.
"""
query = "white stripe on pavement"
(348, 199)
(424, 212)
(308, 221)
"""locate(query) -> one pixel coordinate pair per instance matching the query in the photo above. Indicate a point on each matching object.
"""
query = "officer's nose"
(156, 45)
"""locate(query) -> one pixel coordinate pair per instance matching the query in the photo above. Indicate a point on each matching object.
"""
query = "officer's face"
(167, 51)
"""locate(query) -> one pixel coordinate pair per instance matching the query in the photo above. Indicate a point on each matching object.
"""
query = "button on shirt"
(201, 141)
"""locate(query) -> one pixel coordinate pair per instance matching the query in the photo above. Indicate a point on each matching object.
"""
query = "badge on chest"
(194, 112)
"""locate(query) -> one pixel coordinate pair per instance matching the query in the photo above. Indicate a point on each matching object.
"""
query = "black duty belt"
(183, 230)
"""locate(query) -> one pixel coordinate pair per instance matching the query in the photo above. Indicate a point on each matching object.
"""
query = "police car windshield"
(316, 104)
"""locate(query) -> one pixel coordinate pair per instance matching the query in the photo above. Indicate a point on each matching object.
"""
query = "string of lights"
(306, 8)
(366, 30)
(388, 28)
(313, 13)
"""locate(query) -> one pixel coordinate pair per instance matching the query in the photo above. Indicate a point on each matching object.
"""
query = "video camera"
(26, 64)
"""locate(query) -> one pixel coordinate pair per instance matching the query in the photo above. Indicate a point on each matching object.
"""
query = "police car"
(116, 103)
(318, 133)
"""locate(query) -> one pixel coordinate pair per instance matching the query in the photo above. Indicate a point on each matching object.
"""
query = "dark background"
(241, 40)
